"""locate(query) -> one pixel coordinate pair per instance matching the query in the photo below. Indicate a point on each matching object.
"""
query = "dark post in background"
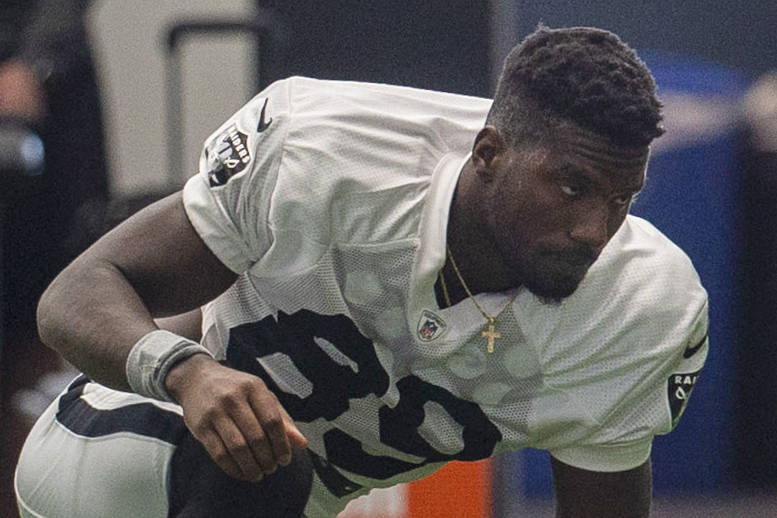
(434, 44)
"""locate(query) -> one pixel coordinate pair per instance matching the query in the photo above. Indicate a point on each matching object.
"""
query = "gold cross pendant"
(491, 335)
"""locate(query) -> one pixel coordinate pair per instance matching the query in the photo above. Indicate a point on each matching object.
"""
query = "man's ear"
(489, 147)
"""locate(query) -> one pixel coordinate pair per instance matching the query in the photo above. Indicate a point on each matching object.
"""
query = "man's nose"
(591, 226)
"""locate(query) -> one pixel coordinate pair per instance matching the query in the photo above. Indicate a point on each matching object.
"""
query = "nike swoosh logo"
(263, 124)
(690, 351)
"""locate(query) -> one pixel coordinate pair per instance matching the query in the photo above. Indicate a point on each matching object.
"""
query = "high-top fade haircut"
(582, 75)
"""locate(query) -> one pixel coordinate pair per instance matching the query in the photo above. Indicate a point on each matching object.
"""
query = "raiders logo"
(679, 391)
(228, 154)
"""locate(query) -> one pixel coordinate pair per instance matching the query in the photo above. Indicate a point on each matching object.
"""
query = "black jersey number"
(334, 384)
(295, 335)
(399, 429)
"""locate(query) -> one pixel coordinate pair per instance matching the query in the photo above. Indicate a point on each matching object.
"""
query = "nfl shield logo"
(430, 326)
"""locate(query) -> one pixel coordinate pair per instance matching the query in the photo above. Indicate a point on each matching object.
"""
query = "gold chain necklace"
(490, 334)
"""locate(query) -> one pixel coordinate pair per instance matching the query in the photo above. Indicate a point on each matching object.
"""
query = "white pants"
(101, 453)
(122, 474)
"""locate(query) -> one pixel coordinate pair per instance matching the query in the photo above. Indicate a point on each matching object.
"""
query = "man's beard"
(551, 290)
(551, 284)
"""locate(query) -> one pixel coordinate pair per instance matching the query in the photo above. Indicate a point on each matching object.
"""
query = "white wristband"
(152, 357)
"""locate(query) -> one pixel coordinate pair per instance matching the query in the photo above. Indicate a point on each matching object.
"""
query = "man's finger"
(256, 439)
(296, 439)
(218, 452)
(239, 451)
(270, 414)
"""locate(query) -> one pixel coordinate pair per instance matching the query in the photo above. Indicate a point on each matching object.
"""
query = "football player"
(389, 279)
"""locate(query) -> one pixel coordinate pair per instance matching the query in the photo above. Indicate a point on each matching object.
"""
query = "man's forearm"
(152, 265)
(92, 316)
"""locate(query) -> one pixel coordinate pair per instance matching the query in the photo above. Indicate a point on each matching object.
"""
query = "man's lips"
(574, 258)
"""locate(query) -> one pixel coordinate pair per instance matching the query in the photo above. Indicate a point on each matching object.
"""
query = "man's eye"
(624, 199)
(571, 190)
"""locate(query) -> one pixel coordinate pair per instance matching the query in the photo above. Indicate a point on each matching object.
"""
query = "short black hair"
(583, 75)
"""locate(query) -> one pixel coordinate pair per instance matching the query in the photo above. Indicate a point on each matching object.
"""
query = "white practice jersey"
(331, 200)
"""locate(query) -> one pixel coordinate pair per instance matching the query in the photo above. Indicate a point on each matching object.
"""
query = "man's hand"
(235, 416)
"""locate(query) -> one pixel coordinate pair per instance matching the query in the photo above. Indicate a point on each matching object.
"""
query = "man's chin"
(553, 291)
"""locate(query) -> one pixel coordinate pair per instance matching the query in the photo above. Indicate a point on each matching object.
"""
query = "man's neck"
(473, 249)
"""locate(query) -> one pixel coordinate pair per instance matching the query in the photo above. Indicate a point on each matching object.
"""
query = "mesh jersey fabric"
(330, 199)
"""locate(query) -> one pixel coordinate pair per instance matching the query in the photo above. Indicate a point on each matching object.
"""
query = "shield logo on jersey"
(679, 391)
(227, 155)
(430, 326)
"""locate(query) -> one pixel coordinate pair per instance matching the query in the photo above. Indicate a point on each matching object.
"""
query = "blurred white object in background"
(761, 113)
(691, 118)
(218, 76)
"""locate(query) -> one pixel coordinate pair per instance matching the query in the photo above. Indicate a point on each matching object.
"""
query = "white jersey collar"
(432, 233)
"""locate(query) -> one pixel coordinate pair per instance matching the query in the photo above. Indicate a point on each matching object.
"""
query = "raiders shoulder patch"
(679, 389)
(227, 155)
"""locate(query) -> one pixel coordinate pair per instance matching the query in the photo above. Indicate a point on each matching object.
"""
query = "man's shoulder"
(307, 86)
(642, 302)
(644, 270)
(638, 244)
(390, 107)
